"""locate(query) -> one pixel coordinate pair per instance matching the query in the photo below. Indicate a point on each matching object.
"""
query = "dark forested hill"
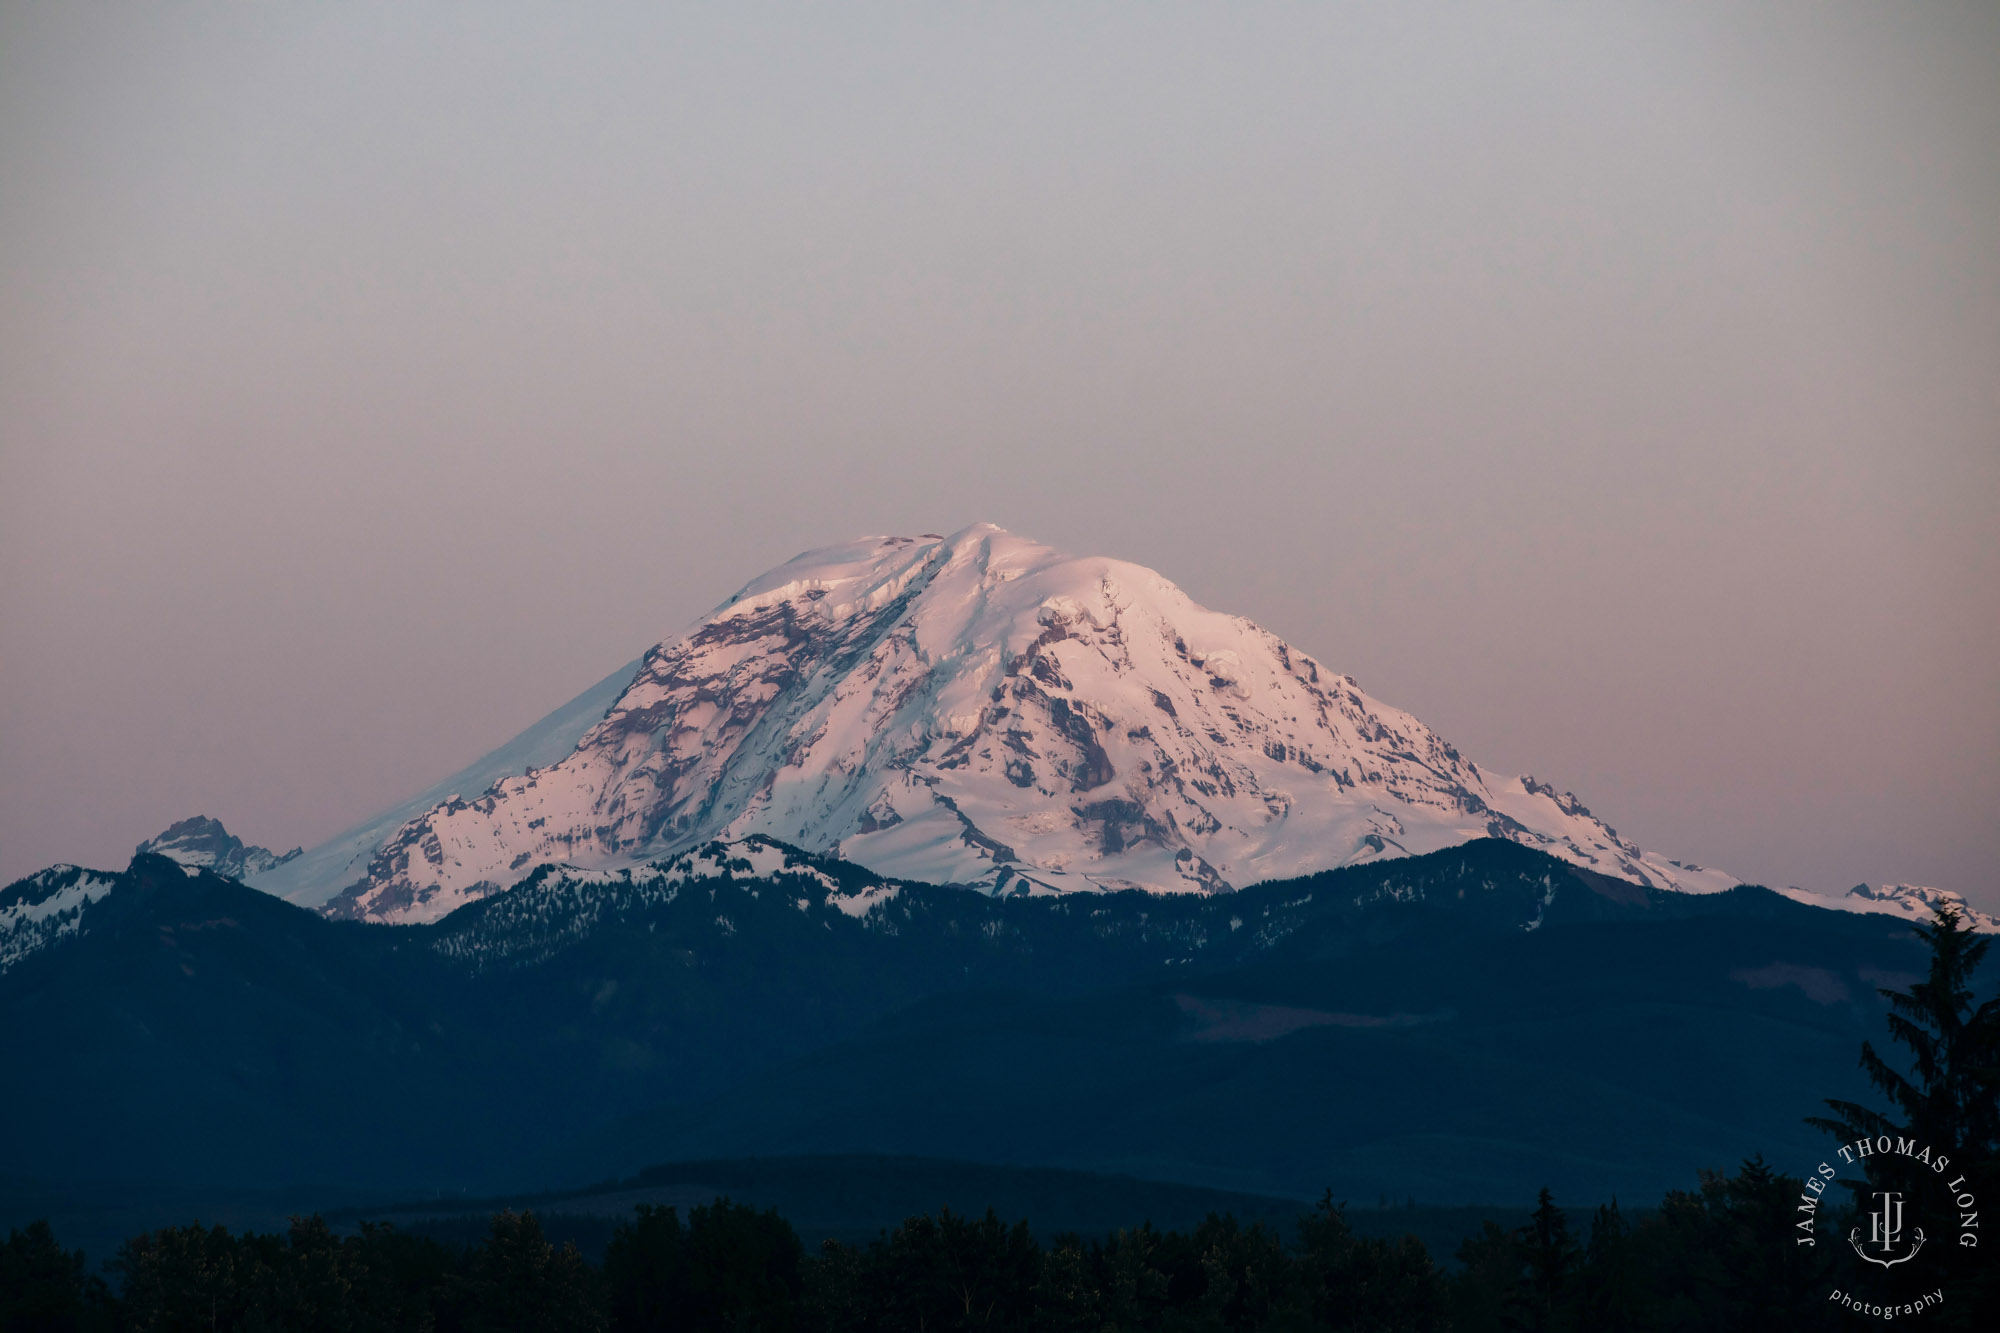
(1462, 1027)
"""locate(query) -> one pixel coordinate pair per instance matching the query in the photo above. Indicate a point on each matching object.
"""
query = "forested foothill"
(569, 1031)
(1725, 1254)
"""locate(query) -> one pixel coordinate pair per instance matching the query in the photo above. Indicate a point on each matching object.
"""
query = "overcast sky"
(1615, 388)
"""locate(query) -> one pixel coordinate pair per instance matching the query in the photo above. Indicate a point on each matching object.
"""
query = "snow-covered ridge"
(1912, 902)
(311, 879)
(564, 904)
(983, 710)
(46, 906)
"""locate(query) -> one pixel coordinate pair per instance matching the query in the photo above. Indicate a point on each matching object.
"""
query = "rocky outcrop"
(203, 843)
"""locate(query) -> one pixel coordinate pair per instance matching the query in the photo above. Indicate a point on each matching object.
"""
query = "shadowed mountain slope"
(1462, 1026)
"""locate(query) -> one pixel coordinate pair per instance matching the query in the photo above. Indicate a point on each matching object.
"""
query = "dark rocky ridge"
(203, 843)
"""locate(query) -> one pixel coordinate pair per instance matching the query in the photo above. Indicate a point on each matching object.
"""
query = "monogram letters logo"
(1885, 1233)
(1908, 1185)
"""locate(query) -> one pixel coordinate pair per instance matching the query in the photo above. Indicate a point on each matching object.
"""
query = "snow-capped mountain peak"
(202, 843)
(982, 709)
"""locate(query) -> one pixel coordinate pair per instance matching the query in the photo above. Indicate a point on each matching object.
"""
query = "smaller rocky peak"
(204, 844)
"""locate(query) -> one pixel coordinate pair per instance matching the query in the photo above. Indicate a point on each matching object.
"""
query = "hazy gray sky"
(1615, 387)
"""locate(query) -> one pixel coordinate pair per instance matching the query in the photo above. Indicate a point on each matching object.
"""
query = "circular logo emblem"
(1912, 1204)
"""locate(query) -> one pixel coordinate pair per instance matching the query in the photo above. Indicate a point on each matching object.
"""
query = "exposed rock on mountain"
(983, 710)
(203, 843)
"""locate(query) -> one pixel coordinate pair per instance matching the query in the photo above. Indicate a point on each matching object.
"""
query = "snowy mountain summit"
(978, 709)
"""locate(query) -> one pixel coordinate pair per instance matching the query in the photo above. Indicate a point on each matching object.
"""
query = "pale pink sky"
(1615, 387)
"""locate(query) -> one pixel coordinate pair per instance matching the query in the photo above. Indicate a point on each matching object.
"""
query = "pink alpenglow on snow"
(977, 709)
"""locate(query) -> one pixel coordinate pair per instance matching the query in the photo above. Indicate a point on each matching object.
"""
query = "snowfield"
(974, 709)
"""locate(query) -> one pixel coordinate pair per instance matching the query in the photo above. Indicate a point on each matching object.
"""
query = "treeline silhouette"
(1723, 1256)
(1717, 1257)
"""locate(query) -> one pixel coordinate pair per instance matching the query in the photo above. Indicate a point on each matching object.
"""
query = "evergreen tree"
(1366, 1284)
(309, 1284)
(1067, 1298)
(1245, 1280)
(1491, 1268)
(1131, 1270)
(44, 1288)
(1722, 1257)
(742, 1269)
(519, 1283)
(834, 1298)
(646, 1272)
(404, 1283)
(951, 1272)
(190, 1277)
(1550, 1255)
(1611, 1283)
(1948, 1100)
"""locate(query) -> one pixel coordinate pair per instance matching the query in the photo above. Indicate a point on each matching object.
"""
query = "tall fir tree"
(1948, 1098)
(1949, 1101)
(1551, 1254)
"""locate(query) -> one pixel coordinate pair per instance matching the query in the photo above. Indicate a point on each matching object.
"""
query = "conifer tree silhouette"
(1948, 1100)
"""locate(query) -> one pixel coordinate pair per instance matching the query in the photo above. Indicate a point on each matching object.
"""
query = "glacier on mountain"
(310, 879)
(975, 709)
